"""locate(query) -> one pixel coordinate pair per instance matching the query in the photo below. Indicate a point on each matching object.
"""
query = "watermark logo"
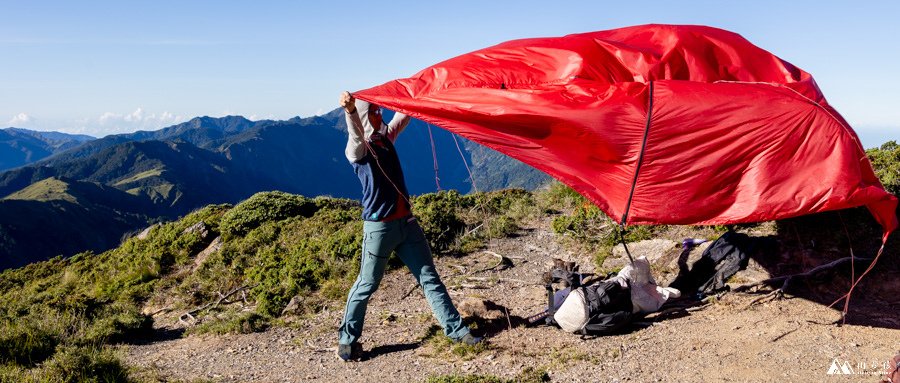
(866, 367)
(839, 368)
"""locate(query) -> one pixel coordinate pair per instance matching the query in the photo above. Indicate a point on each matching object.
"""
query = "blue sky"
(109, 67)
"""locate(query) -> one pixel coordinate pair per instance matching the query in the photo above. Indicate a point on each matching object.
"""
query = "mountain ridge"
(20, 147)
(209, 160)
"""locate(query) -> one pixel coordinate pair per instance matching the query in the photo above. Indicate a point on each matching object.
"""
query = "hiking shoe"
(349, 352)
(470, 339)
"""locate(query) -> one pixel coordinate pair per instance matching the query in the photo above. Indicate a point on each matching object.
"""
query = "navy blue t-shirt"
(376, 171)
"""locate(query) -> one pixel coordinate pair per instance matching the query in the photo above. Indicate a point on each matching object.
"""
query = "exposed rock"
(199, 227)
(146, 232)
(479, 308)
(660, 252)
(653, 249)
(293, 306)
(153, 310)
(212, 248)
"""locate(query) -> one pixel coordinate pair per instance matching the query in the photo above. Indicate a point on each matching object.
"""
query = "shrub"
(12, 373)
(25, 343)
(130, 272)
(85, 364)
(242, 323)
(466, 379)
(632, 234)
(499, 227)
(62, 312)
(437, 213)
(591, 229)
(586, 223)
(308, 253)
(497, 202)
(886, 162)
(528, 375)
(442, 344)
(116, 323)
(280, 259)
(558, 196)
(265, 207)
(455, 223)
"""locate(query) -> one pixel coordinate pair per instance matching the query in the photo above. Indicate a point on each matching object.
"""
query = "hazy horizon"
(110, 67)
(869, 138)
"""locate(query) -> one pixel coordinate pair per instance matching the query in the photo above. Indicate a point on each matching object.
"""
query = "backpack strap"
(571, 279)
(551, 308)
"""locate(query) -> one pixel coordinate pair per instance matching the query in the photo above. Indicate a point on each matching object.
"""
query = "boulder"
(199, 228)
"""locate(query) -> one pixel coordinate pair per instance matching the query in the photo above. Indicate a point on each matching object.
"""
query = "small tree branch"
(410, 291)
(502, 261)
(212, 305)
(786, 280)
(474, 229)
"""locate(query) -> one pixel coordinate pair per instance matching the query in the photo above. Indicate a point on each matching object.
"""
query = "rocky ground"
(730, 338)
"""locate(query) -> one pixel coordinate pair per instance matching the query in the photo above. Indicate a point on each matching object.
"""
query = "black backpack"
(723, 258)
(608, 302)
(609, 308)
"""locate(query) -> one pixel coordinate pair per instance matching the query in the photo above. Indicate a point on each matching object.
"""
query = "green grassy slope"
(58, 317)
(275, 246)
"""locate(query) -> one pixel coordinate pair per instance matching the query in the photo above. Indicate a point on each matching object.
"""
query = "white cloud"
(139, 119)
(106, 117)
(117, 122)
(137, 115)
(258, 117)
(20, 119)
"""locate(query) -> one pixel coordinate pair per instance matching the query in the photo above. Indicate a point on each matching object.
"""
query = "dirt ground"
(728, 339)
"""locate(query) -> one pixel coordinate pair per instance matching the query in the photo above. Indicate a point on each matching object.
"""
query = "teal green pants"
(405, 237)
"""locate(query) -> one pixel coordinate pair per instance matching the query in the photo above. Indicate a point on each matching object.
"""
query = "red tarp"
(659, 124)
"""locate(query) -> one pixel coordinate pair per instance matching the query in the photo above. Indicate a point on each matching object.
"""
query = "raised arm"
(356, 148)
(397, 124)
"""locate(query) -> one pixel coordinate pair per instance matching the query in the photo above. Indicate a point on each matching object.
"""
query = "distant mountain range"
(20, 147)
(75, 193)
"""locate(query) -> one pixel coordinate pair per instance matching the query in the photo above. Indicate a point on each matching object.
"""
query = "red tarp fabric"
(668, 124)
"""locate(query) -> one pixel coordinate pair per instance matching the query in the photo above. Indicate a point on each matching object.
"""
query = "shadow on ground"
(390, 349)
(493, 319)
(155, 335)
(801, 244)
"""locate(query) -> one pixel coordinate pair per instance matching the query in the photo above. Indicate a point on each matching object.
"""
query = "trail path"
(789, 340)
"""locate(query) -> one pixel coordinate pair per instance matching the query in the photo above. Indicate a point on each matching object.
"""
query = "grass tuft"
(528, 375)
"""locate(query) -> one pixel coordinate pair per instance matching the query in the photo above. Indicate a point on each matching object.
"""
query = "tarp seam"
(637, 169)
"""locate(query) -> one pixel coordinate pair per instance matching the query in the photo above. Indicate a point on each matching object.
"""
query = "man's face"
(375, 116)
